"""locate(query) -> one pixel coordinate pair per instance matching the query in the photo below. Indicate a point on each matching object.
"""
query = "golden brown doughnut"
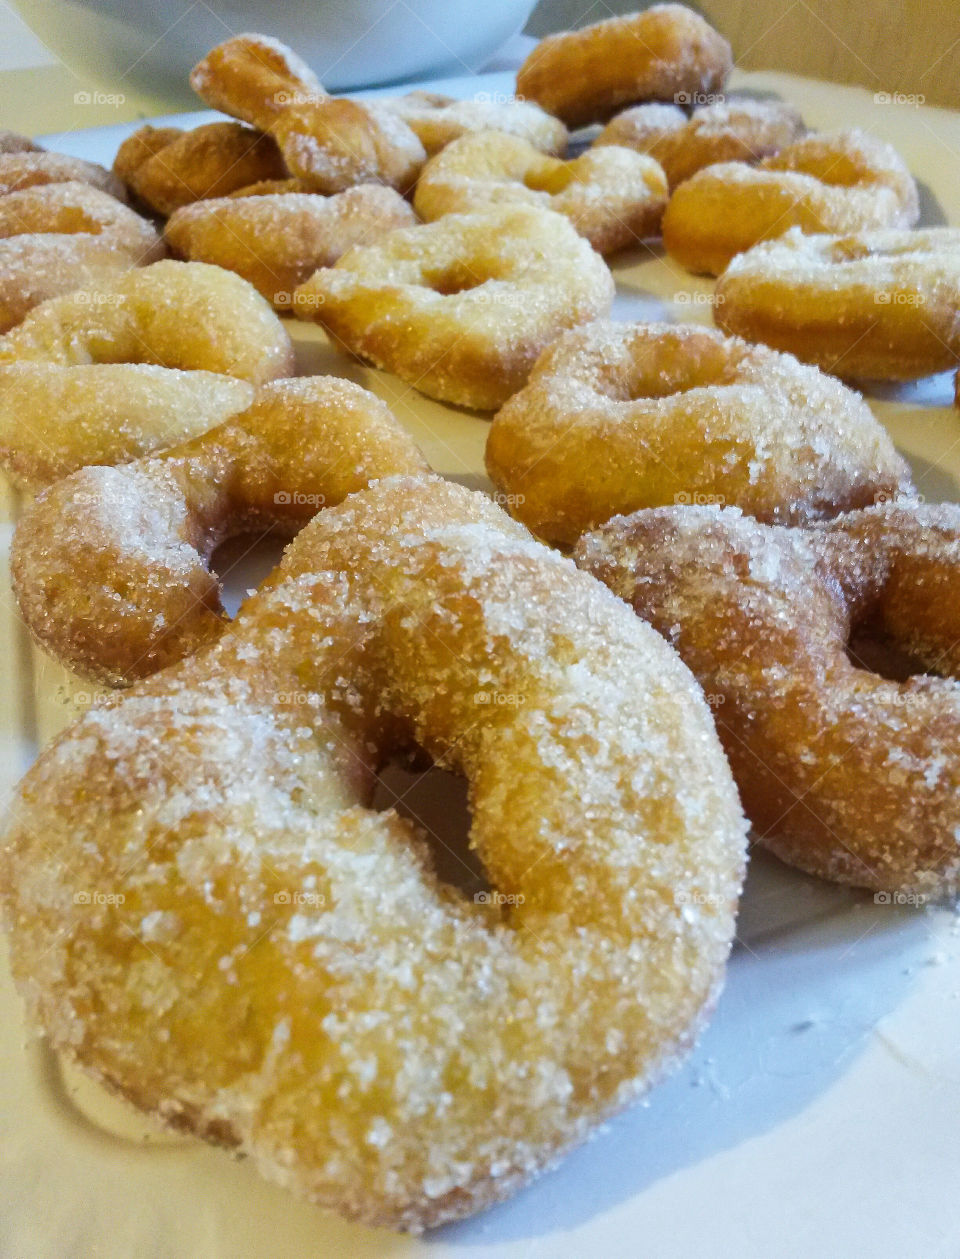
(620, 416)
(882, 305)
(333, 144)
(843, 772)
(735, 129)
(437, 120)
(54, 420)
(311, 994)
(659, 54)
(175, 314)
(167, 168)
(847, 181)
(254, 78)
(56, 238)
(277, 241)
(612, 196)
(270, 187)
(111, 566)
(461, 308)
(22, 170)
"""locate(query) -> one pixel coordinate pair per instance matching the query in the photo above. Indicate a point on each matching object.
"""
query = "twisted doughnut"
(882, 305)
(276, 241)
(612, 196)
(620, 416)
(111, 566)
(175, 314)
(254, 78)
(848, 181)
(734, 129)
(54, 420)
(659, 54)
(311, 994)
(437, 120)
(333, 144)
(167, 168)
(56, 238)
(461, 308)
(846, 774)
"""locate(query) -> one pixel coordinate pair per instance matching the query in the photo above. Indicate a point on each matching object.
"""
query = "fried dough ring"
(659, 54)
(461, 308)
(612, 196)
(437, 120)
(879, 305)
(111, 566)
(254, 78)
(844, 773)
(56, 238)
(168, 168)
(333, 144)
(277, 241)
(736, 129)
(847, 181)
(54, 420)
(32, 169)
(175, 314)
(621, 416)
(388, 1048)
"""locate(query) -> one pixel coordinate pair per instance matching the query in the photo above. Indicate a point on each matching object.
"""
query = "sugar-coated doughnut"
(254, 78)
(663, 53)
(612, 196)
(735, 129)
(167, 168)
(311, 994)
(332, 144)
(620, 416)
(845, 181)
(461, 308)
(880, 305)
(54, 420)
(175, 314)
(111, 566)
(438, 119)
(276, 241)
(56, 238)
(843, 771)
(35, 168)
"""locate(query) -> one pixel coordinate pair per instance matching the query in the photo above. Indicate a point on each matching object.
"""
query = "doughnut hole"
(674, 364)
(455, 277)
(550, 177)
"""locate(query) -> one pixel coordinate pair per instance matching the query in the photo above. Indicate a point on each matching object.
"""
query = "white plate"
(819, 1115)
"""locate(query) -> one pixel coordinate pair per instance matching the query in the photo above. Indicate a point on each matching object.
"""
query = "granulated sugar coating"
(843, 772)
(311, 994)
(254, 77)
(843, 181)
(612, 196)
(437, 120)
(54, 420)
(277, 241)
(174, 314)
(734, 129)
(617, 416)
(877, 305)
(29, 169)
(461, 308)
(110, 566)
(56, 237)
(333, 144)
